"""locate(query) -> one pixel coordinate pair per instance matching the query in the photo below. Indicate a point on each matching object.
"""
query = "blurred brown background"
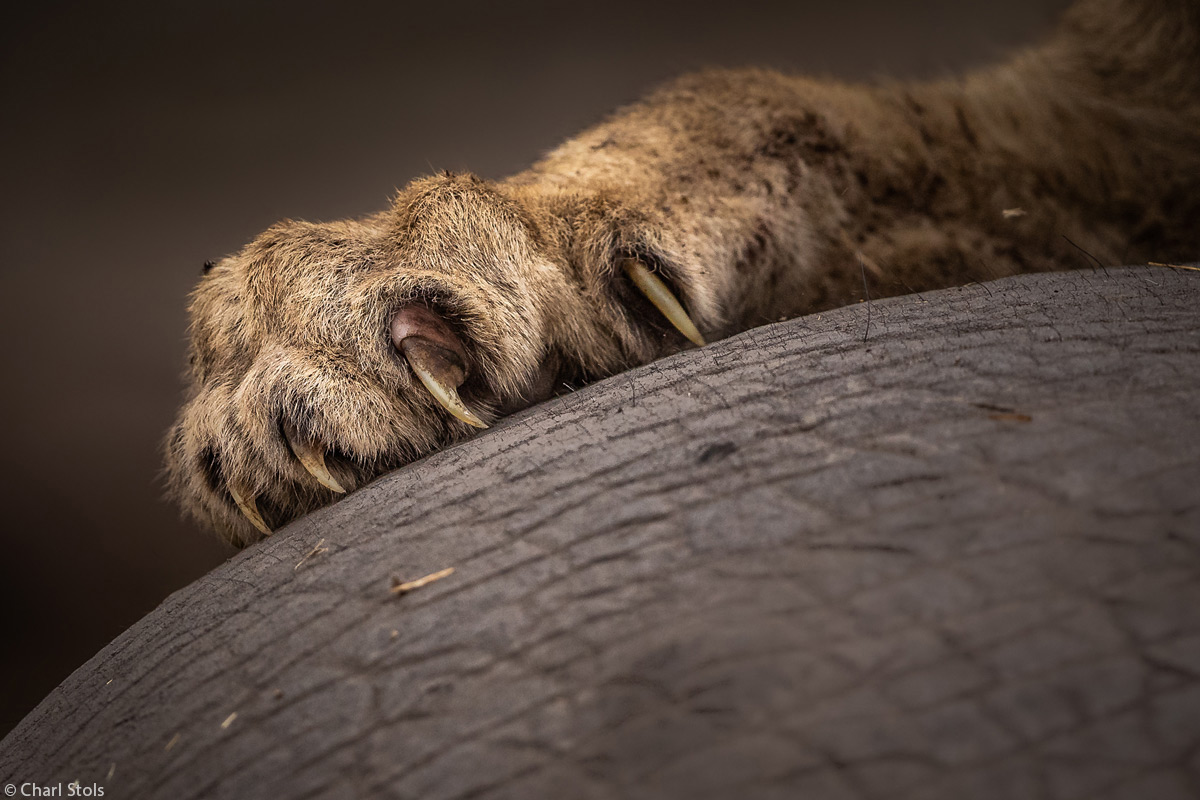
(141, 139)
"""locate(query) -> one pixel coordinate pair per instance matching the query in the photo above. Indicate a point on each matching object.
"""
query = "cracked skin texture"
(758, 196)
(942, 547)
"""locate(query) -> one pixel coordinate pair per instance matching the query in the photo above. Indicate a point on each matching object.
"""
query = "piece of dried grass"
(318, 548)
(408, 586)
(1171, 266)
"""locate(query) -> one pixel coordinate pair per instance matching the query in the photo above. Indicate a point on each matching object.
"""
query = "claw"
(246, 503)
(658, 293)
(436, 356)
(440, 376)
(311, 457)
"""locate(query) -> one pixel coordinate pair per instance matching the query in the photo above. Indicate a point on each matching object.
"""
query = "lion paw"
(326, 354)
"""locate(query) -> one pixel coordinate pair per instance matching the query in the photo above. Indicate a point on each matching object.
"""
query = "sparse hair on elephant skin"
(324, 354)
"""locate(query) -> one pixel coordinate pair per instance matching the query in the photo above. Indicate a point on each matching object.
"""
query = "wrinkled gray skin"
(959, 559)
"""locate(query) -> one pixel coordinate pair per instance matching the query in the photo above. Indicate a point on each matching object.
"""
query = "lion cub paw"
(324, 355)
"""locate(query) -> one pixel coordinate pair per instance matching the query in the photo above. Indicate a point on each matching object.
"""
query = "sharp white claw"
(652, 286)
(444, 393)
(436, 356)
(245, 502)
(312, 458)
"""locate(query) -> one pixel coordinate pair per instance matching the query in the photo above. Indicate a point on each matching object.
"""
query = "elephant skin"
(939, 546)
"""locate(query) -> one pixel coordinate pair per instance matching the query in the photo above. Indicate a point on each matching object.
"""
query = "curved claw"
(657, 292)
(430, 366)
(245, 502)
(312, 458)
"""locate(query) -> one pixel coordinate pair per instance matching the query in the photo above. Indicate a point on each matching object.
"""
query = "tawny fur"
(757, 195)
